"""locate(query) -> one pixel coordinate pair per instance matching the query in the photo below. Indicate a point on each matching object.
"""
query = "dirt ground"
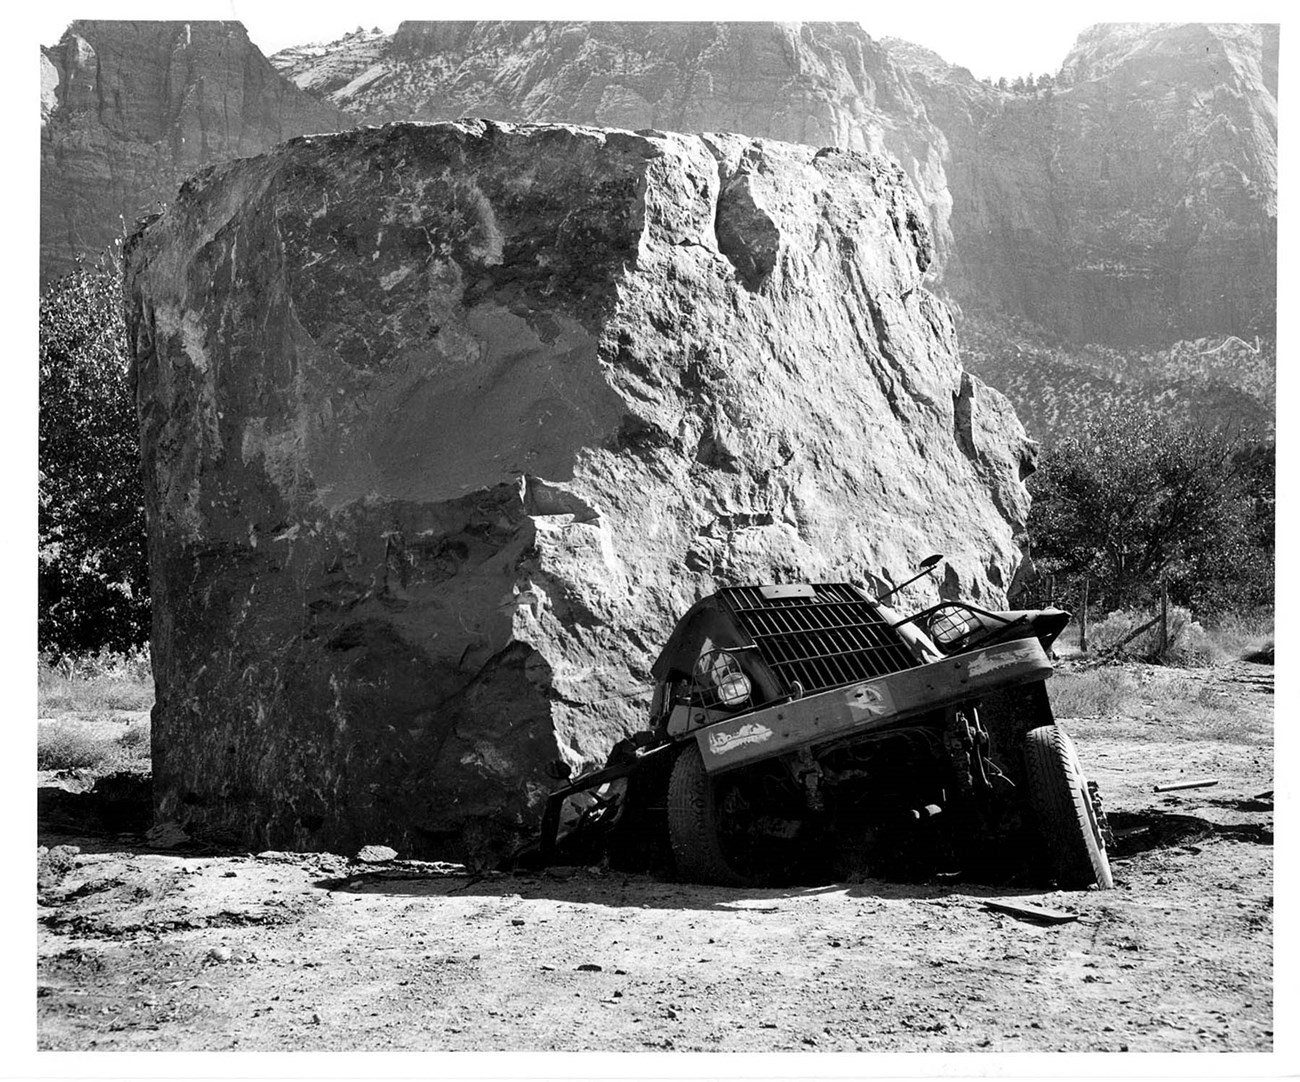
(143, 948)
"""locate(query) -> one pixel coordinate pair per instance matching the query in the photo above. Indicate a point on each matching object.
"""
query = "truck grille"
(832, 638)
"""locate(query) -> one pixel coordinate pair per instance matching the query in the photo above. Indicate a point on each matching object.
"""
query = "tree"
(1135, 498)
(92, 569)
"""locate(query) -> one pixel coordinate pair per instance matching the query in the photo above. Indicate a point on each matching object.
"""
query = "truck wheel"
(693, 823)
(1062, 804)
(728, 830)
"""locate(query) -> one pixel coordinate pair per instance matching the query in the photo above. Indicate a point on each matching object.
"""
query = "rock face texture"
(445, 425)
(823, 84)
(129, 109)
(1136, 202)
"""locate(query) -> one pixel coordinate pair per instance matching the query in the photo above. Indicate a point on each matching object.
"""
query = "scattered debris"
(589, 967)
(1033, 912)
(167, 835)
(375, 854)
(220, 954)
(1200, 783)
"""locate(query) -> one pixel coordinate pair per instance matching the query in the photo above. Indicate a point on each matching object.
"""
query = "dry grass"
(94, 684)
(1194, 703)
(98, 746)
(1093, 693)
(94, 713)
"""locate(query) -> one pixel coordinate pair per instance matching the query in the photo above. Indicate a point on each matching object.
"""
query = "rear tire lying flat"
(1067, 821)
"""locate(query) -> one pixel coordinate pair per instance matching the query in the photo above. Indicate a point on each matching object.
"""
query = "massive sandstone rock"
(444, 426)
(129, 109)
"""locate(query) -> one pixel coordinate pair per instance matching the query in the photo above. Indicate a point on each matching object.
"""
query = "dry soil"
(146, 948)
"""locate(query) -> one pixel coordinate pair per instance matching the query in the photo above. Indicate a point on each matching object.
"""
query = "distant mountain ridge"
(1133, 203)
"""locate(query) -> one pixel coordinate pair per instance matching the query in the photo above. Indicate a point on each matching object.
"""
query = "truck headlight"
(719, 672)
(950, 624)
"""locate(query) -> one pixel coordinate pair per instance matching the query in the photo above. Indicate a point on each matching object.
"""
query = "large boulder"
(444, 426)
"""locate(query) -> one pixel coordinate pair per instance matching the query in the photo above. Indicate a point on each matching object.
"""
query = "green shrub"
(1134, 500)
(1189, 642)
(93, 583)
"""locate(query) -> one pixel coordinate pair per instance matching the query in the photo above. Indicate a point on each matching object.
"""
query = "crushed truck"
(790, 720)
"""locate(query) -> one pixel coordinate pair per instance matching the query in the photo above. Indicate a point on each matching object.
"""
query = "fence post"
(1083, 619)
(1164, 617)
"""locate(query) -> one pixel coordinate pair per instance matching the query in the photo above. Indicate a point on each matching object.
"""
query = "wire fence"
(1078, 595)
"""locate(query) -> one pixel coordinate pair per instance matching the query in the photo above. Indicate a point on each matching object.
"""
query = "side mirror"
(925, 566)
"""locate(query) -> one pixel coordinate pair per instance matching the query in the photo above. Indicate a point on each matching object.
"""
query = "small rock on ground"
(376, 854)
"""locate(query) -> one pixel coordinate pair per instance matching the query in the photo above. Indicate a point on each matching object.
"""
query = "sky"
(991, 39)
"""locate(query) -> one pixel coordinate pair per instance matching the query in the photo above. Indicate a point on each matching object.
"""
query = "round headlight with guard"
(718, 674)
(949, 624)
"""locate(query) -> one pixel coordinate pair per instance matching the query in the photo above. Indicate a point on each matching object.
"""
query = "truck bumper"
(858, 709)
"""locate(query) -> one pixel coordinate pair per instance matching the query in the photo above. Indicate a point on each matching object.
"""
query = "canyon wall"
(129, 109)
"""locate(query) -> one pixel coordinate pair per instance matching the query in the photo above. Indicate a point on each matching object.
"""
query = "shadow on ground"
(1152, 828)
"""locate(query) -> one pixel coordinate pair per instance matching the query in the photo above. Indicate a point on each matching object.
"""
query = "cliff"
(1135, 201)
(129, 109)
(444, 426)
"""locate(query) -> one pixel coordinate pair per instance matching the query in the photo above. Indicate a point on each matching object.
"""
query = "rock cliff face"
(823, 84)
(129, 109)
(444, 426)
(1136, 202)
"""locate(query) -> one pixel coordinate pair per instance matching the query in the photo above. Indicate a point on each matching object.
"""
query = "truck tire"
(1073, 837)
(694, 822)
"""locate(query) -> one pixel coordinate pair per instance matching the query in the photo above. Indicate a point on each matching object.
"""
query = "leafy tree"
(93, 575)
(1002, 82)
(1135, 498)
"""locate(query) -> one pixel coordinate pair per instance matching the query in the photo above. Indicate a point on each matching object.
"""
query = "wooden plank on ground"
(1033, 912)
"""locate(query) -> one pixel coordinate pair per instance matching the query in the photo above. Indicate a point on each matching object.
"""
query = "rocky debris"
(53, 863)
(129, 109)
(375, 854)
(445, 425)
(167, 835)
